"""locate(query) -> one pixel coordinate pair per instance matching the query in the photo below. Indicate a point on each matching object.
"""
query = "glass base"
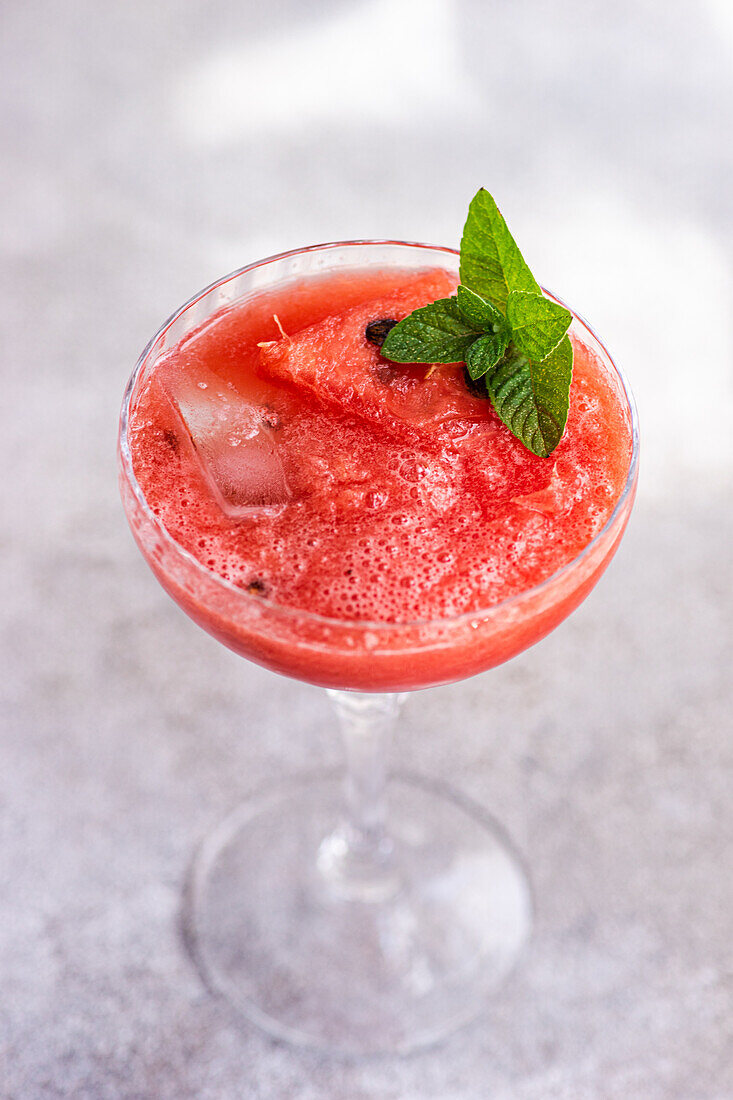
(349, 963)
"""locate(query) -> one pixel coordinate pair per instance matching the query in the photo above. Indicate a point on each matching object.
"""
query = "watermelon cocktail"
(372, 527)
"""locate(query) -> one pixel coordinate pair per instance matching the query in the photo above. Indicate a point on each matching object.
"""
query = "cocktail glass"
(314, 912)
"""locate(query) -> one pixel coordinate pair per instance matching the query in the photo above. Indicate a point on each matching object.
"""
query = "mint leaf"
(538, 325)
(502, 327)
(481, 314)
(437, 333)
(491, 263)
(485, 353)
(532, 398)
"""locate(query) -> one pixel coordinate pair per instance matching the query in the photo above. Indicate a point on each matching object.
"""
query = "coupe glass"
(356, 914)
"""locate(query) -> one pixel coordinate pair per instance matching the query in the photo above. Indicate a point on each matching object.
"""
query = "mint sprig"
(502, 327)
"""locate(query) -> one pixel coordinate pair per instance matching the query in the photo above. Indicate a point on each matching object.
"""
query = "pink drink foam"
(410, 500)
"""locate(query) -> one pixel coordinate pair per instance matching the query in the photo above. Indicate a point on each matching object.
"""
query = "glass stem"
(356, 859)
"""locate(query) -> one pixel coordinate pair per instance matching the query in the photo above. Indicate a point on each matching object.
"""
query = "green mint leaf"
(502, 327)
(479, 313)
(532, 398)
(437, 333)
(485, 353)
(538, 325)
(491, 263)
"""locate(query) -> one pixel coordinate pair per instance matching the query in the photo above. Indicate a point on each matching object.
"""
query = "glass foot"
(348, 965)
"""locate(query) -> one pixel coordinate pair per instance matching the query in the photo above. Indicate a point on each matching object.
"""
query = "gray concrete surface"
(147, 148)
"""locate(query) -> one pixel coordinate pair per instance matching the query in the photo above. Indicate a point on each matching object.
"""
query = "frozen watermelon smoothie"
(377, 467)
(354, 521)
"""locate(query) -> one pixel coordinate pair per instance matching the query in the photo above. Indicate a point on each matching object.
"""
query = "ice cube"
(236, 449)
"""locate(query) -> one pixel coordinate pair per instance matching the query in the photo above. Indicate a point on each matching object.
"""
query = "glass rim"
(377, 626)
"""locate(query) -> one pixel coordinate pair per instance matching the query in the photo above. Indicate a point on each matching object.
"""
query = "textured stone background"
(149, 147)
